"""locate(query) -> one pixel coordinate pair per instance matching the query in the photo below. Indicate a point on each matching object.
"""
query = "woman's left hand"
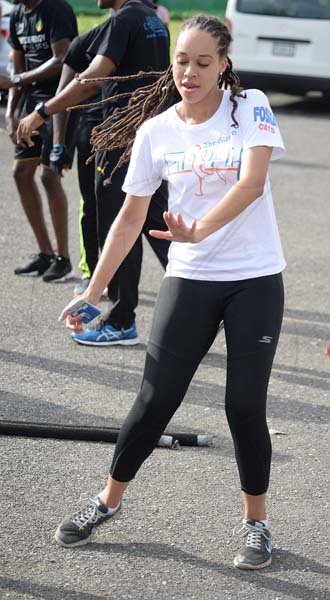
(178, 231)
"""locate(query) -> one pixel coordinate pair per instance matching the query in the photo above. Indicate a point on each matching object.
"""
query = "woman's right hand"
(74, 324)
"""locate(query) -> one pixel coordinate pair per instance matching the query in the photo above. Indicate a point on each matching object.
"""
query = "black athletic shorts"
(43, 142)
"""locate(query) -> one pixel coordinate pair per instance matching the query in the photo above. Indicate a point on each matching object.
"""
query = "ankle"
(113, 492)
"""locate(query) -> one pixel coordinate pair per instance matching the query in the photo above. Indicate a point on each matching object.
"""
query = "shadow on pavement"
(165, 552)
(200, 393)
(45, 592)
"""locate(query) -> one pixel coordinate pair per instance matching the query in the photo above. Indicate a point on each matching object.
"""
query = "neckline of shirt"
(32, 10)
(205, 124)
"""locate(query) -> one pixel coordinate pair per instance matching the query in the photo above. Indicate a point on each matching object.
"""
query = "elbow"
(254, 188)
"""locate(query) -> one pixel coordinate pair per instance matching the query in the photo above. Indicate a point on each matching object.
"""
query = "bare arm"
(14, 95)
(60, 119)
(122, 235)
(73, 93)
(51, 68)
(240, 196)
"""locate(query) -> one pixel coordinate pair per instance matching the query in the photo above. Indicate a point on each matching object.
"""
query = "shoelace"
(88, 515)
(254, 534)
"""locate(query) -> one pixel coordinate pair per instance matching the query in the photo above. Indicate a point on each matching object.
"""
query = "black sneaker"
(256, 553)
(77, 530)
(37, 266)
(59, 270)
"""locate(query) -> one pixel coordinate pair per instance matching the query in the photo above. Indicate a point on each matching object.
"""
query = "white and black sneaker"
(78, 530)
(37, 266)
(59, 270)
(257, 551)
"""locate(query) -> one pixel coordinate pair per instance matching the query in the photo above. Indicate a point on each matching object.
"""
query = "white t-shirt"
(201, 163)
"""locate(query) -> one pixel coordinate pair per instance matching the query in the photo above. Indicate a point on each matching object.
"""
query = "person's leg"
(186, 321)
(252, 319)
(87, 219)
(174, 352)
(155, 220)
(126, 280)
(58, 207)
(57, 200)
(24, 172)
(119, 327)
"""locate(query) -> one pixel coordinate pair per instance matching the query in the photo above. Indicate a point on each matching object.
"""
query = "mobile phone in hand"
(82, 307)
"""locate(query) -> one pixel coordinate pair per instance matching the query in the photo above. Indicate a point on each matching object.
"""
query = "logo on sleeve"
(264, 116)
(154, 28)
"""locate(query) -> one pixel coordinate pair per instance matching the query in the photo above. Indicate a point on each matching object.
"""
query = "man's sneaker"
(81, 287)
(107, 335)
(37, 266)
(256, 553)
(59, 270)
(78, 530)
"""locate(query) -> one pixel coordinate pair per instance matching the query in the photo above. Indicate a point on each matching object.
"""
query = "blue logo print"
(264, 115)
(154, 28)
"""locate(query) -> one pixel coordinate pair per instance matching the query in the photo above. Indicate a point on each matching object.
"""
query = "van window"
(299, 9)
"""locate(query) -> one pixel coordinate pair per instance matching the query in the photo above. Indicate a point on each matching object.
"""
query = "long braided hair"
(119, 130)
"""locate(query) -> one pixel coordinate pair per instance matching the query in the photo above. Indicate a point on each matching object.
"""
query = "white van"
(281, 45)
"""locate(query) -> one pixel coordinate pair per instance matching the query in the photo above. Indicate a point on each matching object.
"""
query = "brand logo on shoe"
(266, 339)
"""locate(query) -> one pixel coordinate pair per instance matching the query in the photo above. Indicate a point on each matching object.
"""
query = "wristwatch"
(16, 80)
(40, 109)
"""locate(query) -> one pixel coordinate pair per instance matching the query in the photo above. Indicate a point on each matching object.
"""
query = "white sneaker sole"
(90, 537)
(32, 274)
(61, 279)
(247, 567)
(132, 342)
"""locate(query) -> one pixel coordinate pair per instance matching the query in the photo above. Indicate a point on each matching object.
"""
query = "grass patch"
(87, 22)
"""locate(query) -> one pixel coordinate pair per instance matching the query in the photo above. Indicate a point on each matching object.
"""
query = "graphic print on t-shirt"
(201, 163)
(154, 28)
(209, 159)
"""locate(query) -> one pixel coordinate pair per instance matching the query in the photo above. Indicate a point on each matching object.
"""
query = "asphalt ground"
(174, 539)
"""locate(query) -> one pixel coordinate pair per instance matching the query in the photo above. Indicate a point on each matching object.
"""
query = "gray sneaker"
(81, 287)
(256, 553)
(78, 530)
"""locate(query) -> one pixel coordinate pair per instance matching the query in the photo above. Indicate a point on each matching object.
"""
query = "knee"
(49, 179)
(245, 414)
(22, 174)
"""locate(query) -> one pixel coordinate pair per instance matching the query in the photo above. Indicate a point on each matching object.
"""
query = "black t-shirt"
(135, 40)
(33, 32)
(79, 59)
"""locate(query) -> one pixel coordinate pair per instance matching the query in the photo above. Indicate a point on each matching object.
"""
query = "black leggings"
(186, 321)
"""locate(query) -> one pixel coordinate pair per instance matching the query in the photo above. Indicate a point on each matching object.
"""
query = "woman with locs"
(212, 142)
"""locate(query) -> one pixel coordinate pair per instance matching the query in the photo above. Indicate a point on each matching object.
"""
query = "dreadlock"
(119, 130)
